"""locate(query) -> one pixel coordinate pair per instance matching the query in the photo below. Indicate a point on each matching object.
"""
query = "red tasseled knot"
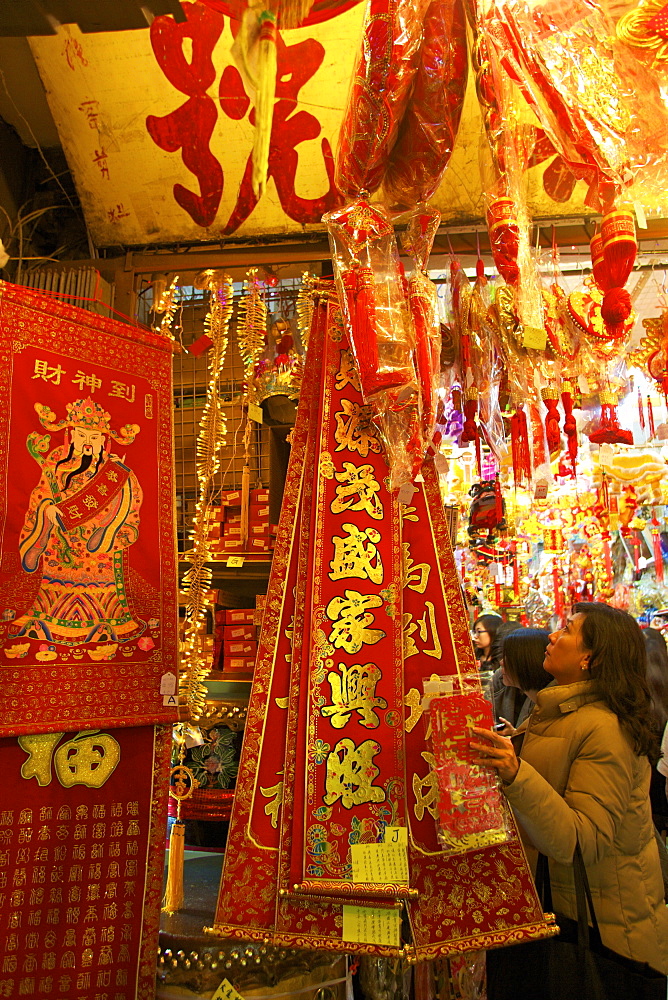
(470, 429)
(480, 268)
(616, 307)
(519, 439)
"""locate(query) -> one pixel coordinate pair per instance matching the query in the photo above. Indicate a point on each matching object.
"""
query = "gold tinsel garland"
(212, 428)
(251, 327)
(166, 305)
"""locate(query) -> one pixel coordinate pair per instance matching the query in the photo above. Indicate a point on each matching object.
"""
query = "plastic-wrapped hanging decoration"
(471, 431)
(620, 246)
(550, 395)
(570, 426)
(370, 283)
(423, 301)
(608, 430)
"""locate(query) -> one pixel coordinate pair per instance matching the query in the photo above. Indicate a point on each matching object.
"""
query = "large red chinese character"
(296, 65)
(191, 126)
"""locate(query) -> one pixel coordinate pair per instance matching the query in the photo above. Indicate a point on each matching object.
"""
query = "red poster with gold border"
(87, 537)
(82, 833)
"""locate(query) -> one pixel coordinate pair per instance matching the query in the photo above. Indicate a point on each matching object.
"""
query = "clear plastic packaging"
(379, 93)
(429, 126)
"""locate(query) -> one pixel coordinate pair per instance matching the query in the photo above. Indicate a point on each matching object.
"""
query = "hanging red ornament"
(641, 411)
(650, 419)
(620, 247)
(470, 430)
(504, 237)
(654, 525)
(570, 426)
(608, 430)
(519, 439)
(550, 396)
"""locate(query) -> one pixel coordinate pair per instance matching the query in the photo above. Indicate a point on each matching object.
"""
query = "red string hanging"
(550, 396)
(641, 411)
(570, 426)
(537, 437)
(620, 247)
(519, 439)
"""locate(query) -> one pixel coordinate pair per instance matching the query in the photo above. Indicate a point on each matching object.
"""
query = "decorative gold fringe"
(251, 327)
(173, 900)
(212, 430)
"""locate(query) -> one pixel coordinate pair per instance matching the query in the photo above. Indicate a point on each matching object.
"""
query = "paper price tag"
(535, 337)
(541, 490)
(235, 562)
(226, 992)
(255, 412)
(441, 463)
(406, 492)
(168, 683)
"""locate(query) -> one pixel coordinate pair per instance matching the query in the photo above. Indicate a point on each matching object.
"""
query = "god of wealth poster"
(87, 539)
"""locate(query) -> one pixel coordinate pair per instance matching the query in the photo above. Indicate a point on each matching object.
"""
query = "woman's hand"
(497, 752)
(508, 728)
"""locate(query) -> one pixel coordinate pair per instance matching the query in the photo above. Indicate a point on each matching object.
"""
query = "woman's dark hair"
(618, 668)
(523, 655)
(657, 675)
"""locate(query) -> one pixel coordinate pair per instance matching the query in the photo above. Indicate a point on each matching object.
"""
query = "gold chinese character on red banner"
(350, 774)
(354, 691)
(356, 555)
(355, 429)
(358, 490)
(351, 619)
(89, 758)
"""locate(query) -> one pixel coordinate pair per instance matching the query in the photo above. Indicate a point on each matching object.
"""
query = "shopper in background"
(484, 633)
(523, 672)
(507, 700)
(657, 681)
(584, 778)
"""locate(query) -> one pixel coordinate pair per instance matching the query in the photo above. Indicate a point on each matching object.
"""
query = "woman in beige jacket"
(584, 775)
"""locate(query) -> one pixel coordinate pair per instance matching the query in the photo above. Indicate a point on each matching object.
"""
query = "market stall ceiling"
(30, 17)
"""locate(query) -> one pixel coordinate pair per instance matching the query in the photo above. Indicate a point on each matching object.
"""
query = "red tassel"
(423, 357)
(570, 426)
(598, 262)
(650, 419)
(519, 439)
(538, 437)
(620, 247)
(641, 410)
(608, 430)
(499, 501)
(558, 593)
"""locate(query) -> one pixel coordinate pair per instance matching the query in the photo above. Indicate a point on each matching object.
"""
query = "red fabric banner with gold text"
(88, 560)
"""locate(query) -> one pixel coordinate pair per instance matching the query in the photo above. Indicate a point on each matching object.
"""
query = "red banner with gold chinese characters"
(333, 834)
(82, 834)
(88, 559)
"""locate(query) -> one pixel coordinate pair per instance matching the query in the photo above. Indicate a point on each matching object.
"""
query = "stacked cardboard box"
(224, 528)
(235, 641)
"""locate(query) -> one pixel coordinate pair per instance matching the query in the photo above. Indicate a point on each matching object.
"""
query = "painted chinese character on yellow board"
(354, 690)
(357, 490)
(356, 555)
(350, 774)
(351, 619)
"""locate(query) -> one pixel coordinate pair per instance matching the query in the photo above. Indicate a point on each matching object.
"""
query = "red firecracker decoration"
(504, 238)
(620, 247)
(552, 432)
(570, 426)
